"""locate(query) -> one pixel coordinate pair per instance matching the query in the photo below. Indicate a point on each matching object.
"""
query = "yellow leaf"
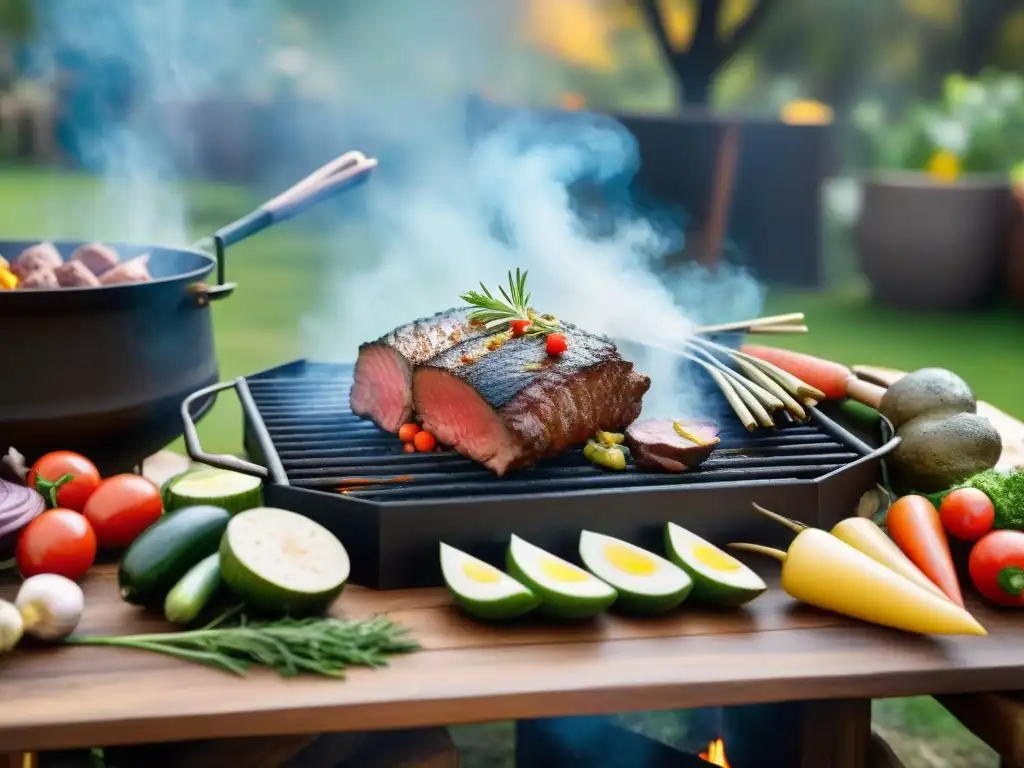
(577, 31)
(806, 113)
(944, 166)
(945, 12)
(734, 13)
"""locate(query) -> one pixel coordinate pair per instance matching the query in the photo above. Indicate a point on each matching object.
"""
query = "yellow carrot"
(823, 571)
(866, 537)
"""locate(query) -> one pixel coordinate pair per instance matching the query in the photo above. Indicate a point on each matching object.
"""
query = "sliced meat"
(506, 403)
(74, 274)
(39, 280)
(670, 445)
(98, 258)
(36, 257)
(133, 271)
(382, 379)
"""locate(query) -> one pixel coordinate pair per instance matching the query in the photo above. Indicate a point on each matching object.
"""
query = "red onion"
(19, 506)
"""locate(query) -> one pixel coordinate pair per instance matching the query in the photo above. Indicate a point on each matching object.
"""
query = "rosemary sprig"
(289, 646)
(514, 304)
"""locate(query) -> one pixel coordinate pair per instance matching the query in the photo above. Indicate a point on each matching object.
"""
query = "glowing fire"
(715, 754)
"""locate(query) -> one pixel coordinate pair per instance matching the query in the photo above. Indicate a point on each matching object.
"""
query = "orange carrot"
(915, 526)
(825, 375)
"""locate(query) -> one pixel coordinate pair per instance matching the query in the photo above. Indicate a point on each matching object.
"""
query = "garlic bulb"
(11, 626)
(51, 606)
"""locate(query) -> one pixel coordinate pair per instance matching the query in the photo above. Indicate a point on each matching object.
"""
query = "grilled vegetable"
(823, 571)
(824, 375)
(967, 514)
(996, 566)
(193, 592)
(914, 524)
(166, 551)
(51, 606)
(281, 562)
(608, 456)
(868, 539)
(232, 491)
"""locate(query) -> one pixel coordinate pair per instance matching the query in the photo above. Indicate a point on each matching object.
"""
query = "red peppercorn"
(519, 327)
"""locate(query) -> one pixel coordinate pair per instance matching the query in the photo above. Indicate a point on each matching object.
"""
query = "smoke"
(552, 197)
(445, 210)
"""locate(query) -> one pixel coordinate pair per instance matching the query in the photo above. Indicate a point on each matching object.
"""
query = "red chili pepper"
(556, 344)
(996, 566)
(519, 327)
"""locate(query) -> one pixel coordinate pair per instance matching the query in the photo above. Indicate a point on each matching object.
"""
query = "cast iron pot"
(103, 371)
(931, 246)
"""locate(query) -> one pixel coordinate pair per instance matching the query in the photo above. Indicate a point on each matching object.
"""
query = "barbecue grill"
(391, 508)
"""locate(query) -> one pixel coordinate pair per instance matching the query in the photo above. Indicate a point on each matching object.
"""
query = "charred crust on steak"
(425, 337)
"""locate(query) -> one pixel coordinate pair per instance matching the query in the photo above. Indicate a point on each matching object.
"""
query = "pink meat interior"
(382, 387)
(459, 417)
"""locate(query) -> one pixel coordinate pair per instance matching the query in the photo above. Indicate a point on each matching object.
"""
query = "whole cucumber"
(167, 550)
(193, 592)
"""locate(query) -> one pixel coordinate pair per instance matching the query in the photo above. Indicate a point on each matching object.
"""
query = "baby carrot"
(821, 374)
(915, 526)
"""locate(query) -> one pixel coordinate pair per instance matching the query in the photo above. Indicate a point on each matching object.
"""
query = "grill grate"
(322, 445)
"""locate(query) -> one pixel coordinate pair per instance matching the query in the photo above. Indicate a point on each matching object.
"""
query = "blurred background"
(851, 159)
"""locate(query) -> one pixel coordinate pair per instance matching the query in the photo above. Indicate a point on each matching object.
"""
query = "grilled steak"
(657, 444)
(382, 379)
(506, 403)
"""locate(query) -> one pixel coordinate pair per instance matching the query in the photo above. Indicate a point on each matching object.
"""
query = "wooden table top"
(774, 650)
(472, 672)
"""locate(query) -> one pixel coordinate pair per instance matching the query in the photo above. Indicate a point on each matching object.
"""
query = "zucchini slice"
(232, 491)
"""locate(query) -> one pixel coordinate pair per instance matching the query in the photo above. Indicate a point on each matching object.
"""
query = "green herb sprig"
(289, 646)
(493, 312)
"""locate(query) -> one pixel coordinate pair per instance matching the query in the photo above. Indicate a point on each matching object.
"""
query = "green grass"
(277, 273)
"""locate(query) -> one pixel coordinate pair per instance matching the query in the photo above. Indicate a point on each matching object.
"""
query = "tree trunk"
(694, 85)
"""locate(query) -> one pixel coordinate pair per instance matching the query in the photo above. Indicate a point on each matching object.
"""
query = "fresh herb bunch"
(977, 126)
(493, 313)
(289, 646)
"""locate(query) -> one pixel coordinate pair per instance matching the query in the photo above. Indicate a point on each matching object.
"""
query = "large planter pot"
(933, 246)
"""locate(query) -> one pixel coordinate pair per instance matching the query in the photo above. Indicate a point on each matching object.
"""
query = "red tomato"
(122, 508)
(73, 492)
(967, 514)
(59, 541)
(424, 442)
(996, 566)
(556, 344)
(407, 432)
(519, 327)
(409, 448)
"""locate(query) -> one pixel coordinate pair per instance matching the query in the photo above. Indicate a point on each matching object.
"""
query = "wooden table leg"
(836, 734)
(19, 760)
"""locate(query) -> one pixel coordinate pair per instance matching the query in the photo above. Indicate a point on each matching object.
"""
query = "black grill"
(391, 508)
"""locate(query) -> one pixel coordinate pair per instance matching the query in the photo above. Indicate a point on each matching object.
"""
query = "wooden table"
(54, 698)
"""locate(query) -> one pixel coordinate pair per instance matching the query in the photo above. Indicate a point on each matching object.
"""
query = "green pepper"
(610, 457)
(610, 438)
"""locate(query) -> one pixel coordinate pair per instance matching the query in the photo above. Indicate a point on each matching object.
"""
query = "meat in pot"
(42, 256)
(74, 274)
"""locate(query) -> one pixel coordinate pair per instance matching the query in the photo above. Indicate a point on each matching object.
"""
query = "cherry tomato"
(424, 442)
(407, 432)
(996, 565)
(59, 541)
(122, 508)
(556, 344)
(519, 327)
(967, 514)
(82, 479)
(409, 448)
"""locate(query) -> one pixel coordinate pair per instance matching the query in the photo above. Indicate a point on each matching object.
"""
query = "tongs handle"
(343, 172)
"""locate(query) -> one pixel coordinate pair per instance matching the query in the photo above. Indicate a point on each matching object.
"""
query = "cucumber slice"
(232, 491)
(193, 593)
(280, 562)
